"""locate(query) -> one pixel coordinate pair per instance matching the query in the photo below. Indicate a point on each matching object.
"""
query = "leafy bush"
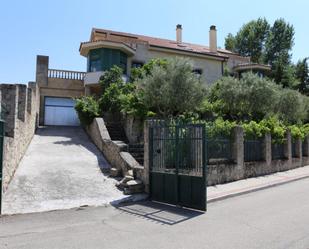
(132, 104)
(296, 132)
(276, 128)
(87, 109)
(254, 130)
(220, 128)
(146, 69)
(173, 89)
(112, 76)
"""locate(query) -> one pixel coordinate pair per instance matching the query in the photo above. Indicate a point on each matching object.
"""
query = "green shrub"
(254, 130)
(220, 128)
(276, 128)
(87, 109)
(296, 132)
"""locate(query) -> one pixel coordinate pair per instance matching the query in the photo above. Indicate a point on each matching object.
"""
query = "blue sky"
(56, 28)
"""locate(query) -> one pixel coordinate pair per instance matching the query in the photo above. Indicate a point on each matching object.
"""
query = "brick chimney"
(213, 39)
(179, 33)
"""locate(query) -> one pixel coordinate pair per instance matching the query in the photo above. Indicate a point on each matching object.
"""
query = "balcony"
(65, 74)
(92, 78)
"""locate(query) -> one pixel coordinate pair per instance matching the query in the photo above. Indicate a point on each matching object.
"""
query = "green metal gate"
(1, 158)
(177, 161)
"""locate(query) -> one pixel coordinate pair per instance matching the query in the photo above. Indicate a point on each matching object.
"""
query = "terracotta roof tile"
(160, 42)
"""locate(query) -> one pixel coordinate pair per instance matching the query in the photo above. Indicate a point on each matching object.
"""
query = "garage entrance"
(60, 111)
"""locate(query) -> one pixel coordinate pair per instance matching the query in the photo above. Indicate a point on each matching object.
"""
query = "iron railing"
(219, 148)
(253, 150)
(278, 151)
(294, 151)
(65, 74)
(304, 145)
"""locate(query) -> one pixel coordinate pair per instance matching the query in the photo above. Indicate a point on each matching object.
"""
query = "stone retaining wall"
(116, 152)
(20, 112)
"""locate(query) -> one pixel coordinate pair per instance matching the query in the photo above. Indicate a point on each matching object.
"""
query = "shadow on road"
(159, 212)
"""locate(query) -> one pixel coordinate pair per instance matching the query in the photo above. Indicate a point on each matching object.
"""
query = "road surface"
(277, 217)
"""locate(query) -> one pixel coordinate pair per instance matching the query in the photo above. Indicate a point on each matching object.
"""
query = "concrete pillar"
(238, 149)
(288, 148)
(267, 149)
(42, 70)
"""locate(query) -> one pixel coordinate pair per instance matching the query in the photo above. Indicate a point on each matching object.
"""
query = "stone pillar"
(238, 150)
(42, 70)
(267, 149)
(22, 102)
(288, 148)
(146, 156)
(9, 107)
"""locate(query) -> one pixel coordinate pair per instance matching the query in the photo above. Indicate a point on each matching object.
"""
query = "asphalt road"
(273, 218)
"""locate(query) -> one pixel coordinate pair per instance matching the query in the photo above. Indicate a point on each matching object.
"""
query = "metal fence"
(219, 148)
(294, 151)
(304, 148)
(277, 151)
(253, 150)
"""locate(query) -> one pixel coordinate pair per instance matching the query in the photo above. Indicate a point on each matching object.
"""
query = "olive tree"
(173, 89)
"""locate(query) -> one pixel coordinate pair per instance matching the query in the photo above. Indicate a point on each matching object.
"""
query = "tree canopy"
(266, 44)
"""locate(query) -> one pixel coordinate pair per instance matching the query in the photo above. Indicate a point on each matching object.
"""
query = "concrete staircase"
(137, 151)
(116, 132)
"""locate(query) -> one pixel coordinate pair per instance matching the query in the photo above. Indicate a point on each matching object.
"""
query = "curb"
(220, 198)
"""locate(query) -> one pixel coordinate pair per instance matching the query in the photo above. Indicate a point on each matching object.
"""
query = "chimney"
(179, 33)
(213, 39)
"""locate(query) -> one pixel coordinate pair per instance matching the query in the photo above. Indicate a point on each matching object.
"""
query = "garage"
(60, 111)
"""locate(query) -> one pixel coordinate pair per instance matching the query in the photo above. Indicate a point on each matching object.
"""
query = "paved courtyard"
(61, 169)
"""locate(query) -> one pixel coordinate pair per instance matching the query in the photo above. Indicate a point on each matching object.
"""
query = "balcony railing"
(64, 74)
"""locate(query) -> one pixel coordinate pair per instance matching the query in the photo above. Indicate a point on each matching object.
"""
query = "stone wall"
(20, 112)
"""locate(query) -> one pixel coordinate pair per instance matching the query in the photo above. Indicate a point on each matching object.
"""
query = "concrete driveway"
(61, 169)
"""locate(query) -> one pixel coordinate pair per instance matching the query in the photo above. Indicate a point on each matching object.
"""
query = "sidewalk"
(227, 190)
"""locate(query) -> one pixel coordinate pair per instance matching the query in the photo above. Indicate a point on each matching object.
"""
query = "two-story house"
(107, 48)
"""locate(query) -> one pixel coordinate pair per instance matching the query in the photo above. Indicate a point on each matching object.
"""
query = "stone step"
(133, 187)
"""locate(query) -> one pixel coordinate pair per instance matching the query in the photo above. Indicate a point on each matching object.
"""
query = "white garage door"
(60, 111)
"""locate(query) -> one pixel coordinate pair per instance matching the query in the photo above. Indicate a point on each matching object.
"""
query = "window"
(95, 65)
(123, 62)
(102, 59)
(136, 64)
(197, 71)
(94, 61)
